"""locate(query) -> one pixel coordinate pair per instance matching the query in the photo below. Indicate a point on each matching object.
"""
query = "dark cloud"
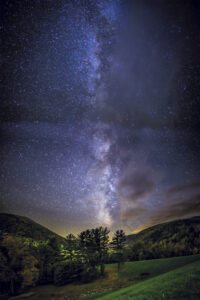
(133, 212)
(188, 207)
(179, 202)
(136, 185)
(183, 188)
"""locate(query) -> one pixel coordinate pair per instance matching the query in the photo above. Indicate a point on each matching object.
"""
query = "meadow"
(167, 278)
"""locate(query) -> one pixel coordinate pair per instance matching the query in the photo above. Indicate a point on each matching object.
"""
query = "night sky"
(100, 112)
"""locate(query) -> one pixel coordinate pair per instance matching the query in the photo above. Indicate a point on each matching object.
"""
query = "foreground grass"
(131, 273)
(182, 283)
(154, 267)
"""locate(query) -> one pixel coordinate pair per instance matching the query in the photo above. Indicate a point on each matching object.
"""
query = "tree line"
(26, 262)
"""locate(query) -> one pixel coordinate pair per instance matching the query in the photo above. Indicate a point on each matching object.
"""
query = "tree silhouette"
(118, 242)
(101, 238)
(94, 246)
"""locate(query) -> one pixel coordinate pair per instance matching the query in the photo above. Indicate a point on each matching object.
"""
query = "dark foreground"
(168, 278)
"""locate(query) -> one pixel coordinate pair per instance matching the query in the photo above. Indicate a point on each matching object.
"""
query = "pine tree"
(94, 246)
(118, 242)
(101, 238)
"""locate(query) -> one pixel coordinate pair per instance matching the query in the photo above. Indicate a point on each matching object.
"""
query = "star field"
(100, 112)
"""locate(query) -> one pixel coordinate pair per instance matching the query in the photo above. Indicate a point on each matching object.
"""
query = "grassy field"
(150, 279)
(182, 283)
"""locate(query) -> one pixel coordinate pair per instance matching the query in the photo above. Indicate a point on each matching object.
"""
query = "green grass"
(131, 272)
(154, 267)
(182, 283)
(129, 277)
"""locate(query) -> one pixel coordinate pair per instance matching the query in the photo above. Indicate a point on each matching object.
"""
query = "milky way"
(100, 112)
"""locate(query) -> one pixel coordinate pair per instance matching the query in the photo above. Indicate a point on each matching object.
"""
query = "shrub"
(89, 274)
(67, 272)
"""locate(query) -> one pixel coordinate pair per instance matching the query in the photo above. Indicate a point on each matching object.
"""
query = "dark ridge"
(25, 227)
(165, 230)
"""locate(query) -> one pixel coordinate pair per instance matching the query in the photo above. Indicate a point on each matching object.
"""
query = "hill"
(25, 227)
(176, 238)
(166, 230)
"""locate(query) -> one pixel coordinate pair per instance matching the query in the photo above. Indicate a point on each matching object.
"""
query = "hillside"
(167, 230)
(25, 227)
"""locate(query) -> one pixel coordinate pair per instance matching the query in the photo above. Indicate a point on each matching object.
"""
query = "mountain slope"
(25, 227)
(167, 230)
